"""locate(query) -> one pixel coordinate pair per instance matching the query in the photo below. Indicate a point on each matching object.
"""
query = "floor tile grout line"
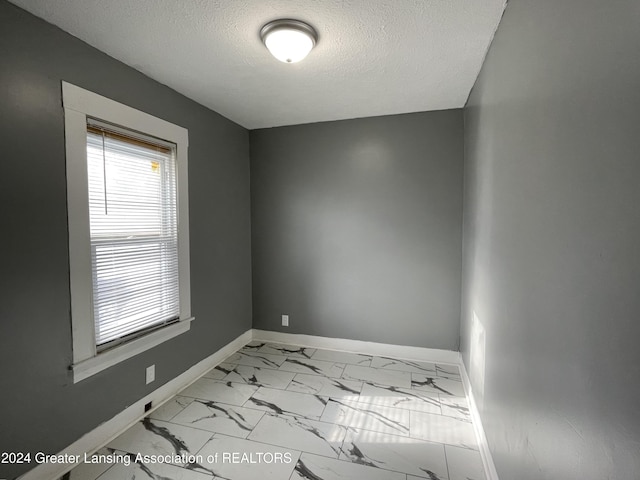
(446, 459)
(183, 408)
(325, 407)
(290, 382)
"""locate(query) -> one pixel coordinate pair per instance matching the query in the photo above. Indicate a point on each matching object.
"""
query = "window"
(128, 230)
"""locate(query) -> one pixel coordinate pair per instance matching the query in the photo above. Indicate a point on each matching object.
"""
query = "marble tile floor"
(282, 412)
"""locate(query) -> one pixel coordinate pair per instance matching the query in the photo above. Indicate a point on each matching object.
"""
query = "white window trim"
(78, 105)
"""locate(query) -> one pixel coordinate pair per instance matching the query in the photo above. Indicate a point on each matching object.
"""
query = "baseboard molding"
(109, 430)
(358, 346)
(485, 453)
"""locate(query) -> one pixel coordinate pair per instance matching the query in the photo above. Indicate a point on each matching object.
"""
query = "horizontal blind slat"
(134, 233)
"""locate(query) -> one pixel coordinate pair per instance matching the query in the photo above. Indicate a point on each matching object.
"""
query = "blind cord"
(104, 174)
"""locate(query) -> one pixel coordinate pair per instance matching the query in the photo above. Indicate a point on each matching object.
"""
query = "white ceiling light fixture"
(289, 40)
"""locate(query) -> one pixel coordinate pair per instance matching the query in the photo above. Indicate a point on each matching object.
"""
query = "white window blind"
(134, 233)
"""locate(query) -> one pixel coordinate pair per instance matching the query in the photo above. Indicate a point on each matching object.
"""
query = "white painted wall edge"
(357, 346)
(104, 433)
(487, 460)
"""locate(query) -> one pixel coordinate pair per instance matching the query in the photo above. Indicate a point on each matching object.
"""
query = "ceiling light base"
(289, 40)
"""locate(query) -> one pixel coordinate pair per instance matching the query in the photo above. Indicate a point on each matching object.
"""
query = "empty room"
(320, 240)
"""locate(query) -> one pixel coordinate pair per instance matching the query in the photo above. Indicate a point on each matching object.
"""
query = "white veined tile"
(313, 367)
(151, 471)
(300, 433)
(324, 386)
(404, 365)
(464, 464)
(93, 469)
(153, 437)
(288, 403)
(262, 377)
(316, 467)
(342, 357)
(218, 372)
(378, 376)
(240, 459)
(224, 392)
(443, 429)
(219, 417)
(376, 418)
(171, 408)
(391, 452)
(256, 359)
(253, 346)
(455, 407)
(448, 371)
(292, 351)
(397, 397)
(437, 385)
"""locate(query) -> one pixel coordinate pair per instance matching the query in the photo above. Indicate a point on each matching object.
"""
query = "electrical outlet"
(151, 374)
(285, 320)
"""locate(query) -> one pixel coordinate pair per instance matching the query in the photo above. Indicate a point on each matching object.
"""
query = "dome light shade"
(289, 40)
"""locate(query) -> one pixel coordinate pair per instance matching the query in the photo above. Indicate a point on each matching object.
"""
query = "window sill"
(107, 359)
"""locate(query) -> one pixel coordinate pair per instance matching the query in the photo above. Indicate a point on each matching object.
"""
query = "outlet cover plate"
(151, 374)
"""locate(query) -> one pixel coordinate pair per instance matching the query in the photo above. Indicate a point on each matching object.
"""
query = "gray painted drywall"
(356, 228)
(40, 407)
(552, 236)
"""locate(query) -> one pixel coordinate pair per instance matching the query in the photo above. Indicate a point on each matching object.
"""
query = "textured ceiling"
(374, 57)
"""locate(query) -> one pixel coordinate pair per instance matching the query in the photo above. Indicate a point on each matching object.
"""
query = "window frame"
(79, 104)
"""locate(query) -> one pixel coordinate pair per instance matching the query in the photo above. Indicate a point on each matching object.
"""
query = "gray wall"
(356, 228)
(552, 240)
(41, 408)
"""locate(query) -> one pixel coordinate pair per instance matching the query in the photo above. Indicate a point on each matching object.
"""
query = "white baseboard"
(485, 453)
(104, 433)
(358, 346)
